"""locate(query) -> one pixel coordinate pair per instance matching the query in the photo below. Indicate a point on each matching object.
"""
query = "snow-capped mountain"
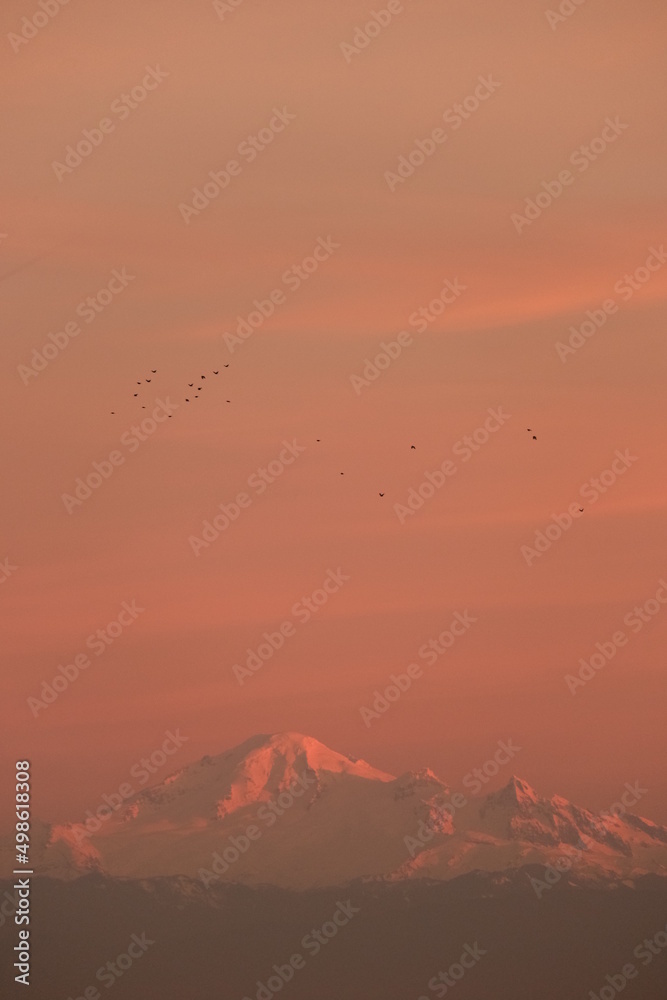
(288, 811)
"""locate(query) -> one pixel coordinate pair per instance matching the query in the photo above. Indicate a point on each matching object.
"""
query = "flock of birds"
(414, 447)
(191, 385)
(202, 378)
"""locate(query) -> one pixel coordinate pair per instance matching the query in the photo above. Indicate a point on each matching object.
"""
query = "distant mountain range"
(286, 811)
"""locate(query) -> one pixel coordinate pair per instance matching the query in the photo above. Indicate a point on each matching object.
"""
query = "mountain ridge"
(284, 809)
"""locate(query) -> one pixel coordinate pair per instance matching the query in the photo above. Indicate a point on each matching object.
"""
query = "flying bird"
(216, 373)
(381, 494)
(136, 394)
(226, 366)
(534, 437)
(154, 371)
(412, 447)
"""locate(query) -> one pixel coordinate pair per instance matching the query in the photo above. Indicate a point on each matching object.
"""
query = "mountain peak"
(324, 818)
(257, 770)
(290, 748)
(519, 791)
(516, 797)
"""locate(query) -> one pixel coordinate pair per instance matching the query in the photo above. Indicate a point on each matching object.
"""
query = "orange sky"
(323, 176)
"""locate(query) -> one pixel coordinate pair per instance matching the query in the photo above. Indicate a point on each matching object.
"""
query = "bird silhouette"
(113, 413)
(412, 447)
(187, 400)
(216, 373)
(190, 384)
(203, 376)
(226, 366)
(154, 371)
(148, 380)
(534, 437)
(381, 494)
(581, 510)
